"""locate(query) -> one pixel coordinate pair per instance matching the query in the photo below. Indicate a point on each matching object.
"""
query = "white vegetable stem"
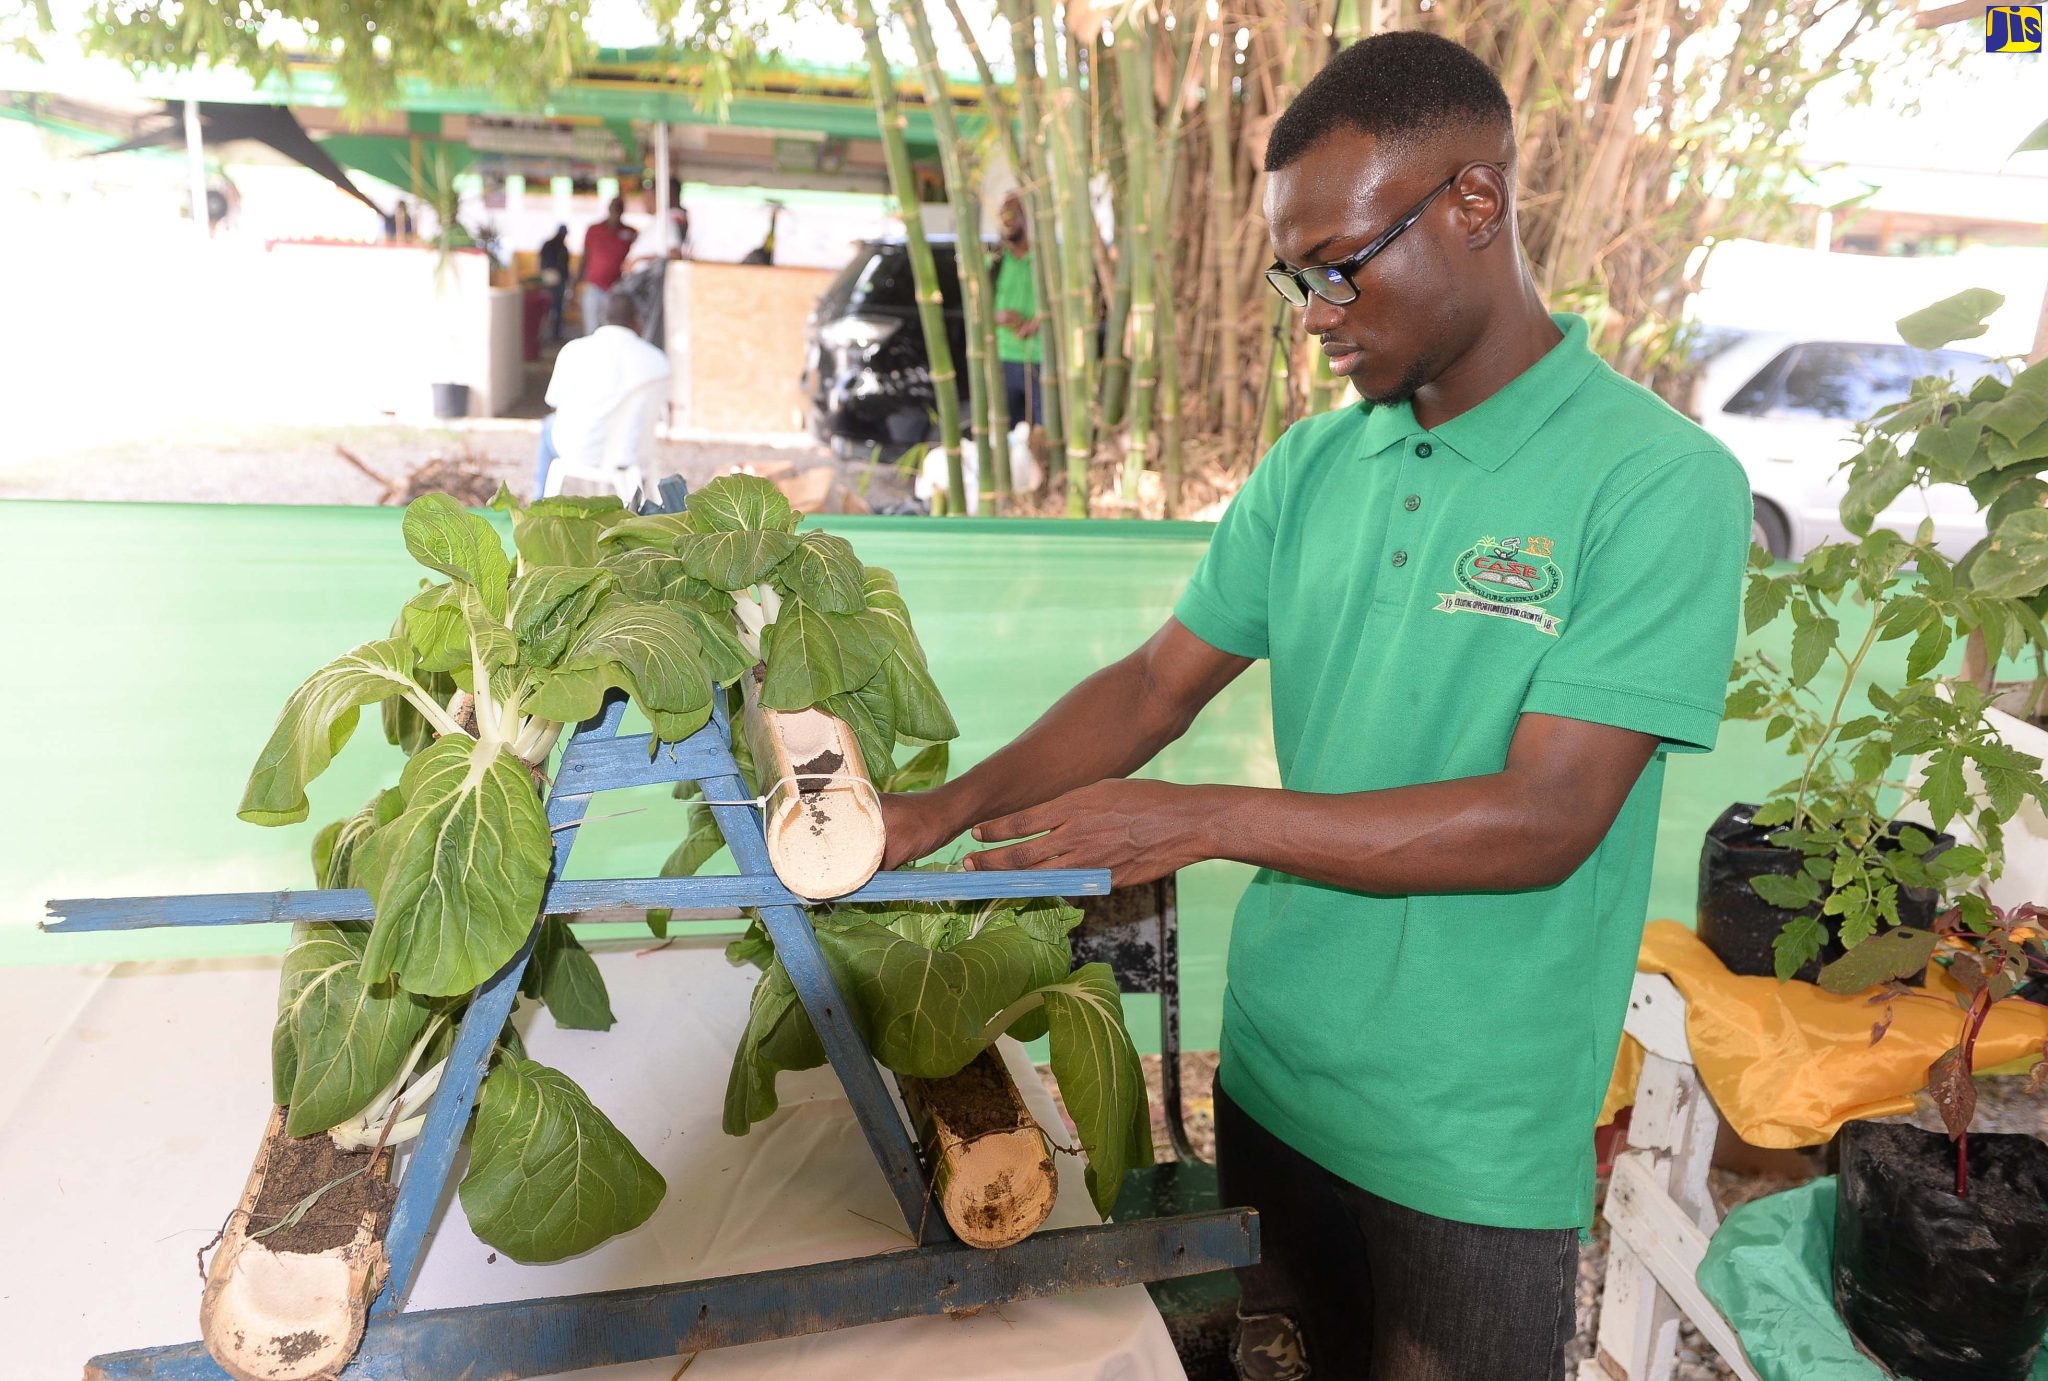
(394, 1102)
(752, 618)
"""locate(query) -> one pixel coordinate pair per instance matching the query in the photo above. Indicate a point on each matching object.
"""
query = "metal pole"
(663, 225)
(195, 164)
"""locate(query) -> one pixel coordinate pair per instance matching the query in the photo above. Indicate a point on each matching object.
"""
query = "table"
(132, 1098)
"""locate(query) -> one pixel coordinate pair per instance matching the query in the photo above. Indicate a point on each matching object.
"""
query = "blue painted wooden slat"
(607, 764)
(77, 916)
(541, 1337)
(426, 1169)
(796, 944)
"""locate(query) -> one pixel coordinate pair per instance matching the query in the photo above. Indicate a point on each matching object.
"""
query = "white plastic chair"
(621, 463)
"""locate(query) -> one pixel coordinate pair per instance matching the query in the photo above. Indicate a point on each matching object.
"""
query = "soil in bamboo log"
(992, 1171)
(299, 1166)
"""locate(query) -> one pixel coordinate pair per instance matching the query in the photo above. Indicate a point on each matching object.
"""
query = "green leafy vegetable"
(457, 877)
(549, 1175)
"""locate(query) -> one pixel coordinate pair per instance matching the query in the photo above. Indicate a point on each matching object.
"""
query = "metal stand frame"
(543, 1336)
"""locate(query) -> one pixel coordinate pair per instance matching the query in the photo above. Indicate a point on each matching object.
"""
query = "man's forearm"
(1110, 725)
(1472, 834)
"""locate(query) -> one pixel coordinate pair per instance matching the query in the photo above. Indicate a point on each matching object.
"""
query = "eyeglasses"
(1333, 282)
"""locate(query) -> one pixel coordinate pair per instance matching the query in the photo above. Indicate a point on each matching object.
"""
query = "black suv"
(867, 381)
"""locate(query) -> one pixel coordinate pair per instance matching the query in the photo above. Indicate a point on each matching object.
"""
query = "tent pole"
(195, 164)
(663, 224)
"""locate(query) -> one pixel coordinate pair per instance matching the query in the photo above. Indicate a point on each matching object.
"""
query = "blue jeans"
(1020, 389)
(546, 455)
(1357, 1287)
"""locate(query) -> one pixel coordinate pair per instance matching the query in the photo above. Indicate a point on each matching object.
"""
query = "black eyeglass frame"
(1294, 286)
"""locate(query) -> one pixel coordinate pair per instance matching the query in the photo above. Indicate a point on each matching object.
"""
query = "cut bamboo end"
(992, 1171)
(823, 816)
(272, 1315)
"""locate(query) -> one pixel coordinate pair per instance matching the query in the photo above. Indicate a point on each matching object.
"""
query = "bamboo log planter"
(992, 1172)
(822, 814)
(280, 1306)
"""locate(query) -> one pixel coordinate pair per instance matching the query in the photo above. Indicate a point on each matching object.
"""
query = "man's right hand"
(918, 823)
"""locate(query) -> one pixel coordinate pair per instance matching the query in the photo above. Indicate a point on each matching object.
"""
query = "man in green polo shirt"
(1493, 595)
(1017, 322)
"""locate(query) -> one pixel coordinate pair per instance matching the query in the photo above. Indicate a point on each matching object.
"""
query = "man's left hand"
(1139, 830)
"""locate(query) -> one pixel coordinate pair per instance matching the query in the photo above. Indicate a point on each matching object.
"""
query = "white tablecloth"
(132, 1099)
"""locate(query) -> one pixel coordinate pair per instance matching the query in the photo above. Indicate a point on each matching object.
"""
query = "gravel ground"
(306, 465)
(2002, 1107)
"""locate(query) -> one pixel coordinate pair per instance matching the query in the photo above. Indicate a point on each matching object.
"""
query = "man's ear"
(1482, 204)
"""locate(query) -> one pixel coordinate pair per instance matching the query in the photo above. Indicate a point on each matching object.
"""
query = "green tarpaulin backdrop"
(148, 648)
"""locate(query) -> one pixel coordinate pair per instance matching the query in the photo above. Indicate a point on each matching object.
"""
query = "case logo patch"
(1506, 578)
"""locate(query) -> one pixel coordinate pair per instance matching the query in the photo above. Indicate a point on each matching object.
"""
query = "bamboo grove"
(1135, 132)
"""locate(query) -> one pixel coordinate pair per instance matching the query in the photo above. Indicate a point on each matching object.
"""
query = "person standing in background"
(1017, 343)
(554, 275)
(605, 247)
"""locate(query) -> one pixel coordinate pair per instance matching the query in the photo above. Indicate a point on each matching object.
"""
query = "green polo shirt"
(1572, 546)
(1016, 291)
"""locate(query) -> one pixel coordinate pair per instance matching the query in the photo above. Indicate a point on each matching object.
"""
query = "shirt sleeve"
(1651, 631)
(1226, 601)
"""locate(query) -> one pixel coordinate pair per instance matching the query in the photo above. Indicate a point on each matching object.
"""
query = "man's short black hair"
(1395, 86)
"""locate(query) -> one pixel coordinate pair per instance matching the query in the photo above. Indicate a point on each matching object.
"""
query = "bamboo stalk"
(1076, 252)
(931, 311)
(977, 288)
(1222, 216)
(992, 1173)
(1034, 177)
(1134, 55)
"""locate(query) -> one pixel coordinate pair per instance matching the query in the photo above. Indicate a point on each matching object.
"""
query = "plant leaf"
(1953, 1090)
(923, 1010)
(549, 1175)
(314, 724)
(1800, 941)
(347, 1038)
(549, 607)
(1810, 644)
(779, 1036)
(441, 534)
(923, 772)
(566, 979)
(812, 656)
(1788, 893)
(433, 623)
(651, 651)
(1101, 1081)
(1877, 476)
(652, 576)
(457, 878)
(1896, 954)
(740, 503)
(921, 711)
(2014, 562)
(736, 559)
(1961, 317)
(825, 574)
(565, 530)
(870, 713)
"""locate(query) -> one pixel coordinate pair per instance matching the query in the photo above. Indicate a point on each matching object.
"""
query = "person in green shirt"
(1017, 323)
(1493, 594)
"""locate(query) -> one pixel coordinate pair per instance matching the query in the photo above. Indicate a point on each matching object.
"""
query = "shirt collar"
(1489, 435)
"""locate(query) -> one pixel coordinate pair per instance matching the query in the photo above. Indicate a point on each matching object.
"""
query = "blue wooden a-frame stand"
(538, 1337)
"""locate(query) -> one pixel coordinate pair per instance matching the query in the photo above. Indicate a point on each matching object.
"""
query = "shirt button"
(1400, 558)
(1412, 502)
(1423, 448)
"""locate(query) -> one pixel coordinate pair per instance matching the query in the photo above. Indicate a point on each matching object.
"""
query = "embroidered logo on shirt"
(1506, 578)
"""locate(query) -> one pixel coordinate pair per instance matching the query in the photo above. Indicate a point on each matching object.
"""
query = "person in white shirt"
(606, 393)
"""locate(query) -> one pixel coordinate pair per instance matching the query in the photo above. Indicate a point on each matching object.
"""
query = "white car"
(1786, 406)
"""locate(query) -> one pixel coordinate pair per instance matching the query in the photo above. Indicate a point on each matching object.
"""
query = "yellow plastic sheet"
(1787, 1063)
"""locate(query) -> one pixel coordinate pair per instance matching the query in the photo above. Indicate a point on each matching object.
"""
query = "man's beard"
(1412, 379)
